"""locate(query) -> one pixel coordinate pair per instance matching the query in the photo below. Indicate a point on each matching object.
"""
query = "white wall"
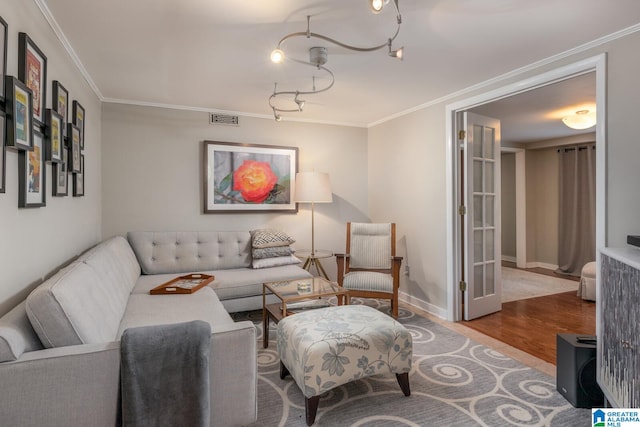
(152, 174)
(407, 186)
(407, 178)
(34, 242)
(542, 182)
(508, 205)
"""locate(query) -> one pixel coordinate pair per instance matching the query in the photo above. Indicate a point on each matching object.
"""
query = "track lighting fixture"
(377, 5)
(318, 56)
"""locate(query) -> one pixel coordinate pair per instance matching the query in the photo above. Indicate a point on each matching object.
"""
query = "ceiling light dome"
(582, 119)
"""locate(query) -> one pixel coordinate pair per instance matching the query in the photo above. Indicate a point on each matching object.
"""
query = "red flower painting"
(254, 180)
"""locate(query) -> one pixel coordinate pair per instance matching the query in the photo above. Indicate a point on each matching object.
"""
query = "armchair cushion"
(370, 245)
(368, 281)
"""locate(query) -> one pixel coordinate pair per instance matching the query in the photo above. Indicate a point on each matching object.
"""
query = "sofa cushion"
(69, 309)
(148, 310)
(114, 261)
(16, 334)
(187, 252)
(84, 302)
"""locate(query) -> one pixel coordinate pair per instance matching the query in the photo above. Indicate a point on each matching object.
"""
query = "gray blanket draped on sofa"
(165, 375)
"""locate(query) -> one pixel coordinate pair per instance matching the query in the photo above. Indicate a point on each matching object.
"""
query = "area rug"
(454, 382)
(520, 284)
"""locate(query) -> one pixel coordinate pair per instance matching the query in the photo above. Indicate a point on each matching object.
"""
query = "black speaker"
(576, 370)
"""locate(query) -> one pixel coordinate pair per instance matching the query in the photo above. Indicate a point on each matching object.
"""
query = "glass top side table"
(312, 259)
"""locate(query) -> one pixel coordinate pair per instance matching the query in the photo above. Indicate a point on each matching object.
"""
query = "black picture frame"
(78, 120)
(78, 180)
(19, 114)
(60, 103)
(32, 176)
(3, 152)
(60, 186)
(54, 145)
(4, 27)
(32, 71)
(73, 143)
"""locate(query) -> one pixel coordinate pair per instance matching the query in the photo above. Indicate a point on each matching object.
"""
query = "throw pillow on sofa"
(269, 238)
(276, 251)
(275, 262)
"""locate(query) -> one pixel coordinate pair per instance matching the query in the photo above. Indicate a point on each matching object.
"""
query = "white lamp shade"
(312, 187)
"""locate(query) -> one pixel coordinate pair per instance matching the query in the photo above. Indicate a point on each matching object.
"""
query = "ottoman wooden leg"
(283, 371)
(311, 407)
(403, 381)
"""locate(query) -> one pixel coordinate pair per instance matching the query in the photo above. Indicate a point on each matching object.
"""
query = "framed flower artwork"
(19, 114)
(61, 177)
(78, 180)
(73, 133)
(248, 177)
(3, 152)
(55, 139)
(78, 120)
(32, 71)
(32, 175)
(60, 103)
(3, 54)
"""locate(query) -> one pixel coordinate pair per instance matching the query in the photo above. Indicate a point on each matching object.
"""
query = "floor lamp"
(313, 187)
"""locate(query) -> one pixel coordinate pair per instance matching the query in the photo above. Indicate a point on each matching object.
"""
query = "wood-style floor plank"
(531, 325)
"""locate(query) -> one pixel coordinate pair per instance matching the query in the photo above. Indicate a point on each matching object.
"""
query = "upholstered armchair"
(370, 267)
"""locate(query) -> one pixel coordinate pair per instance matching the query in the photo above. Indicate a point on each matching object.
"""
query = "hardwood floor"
(531, 324)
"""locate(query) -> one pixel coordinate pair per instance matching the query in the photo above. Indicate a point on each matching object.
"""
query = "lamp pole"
(313, 243)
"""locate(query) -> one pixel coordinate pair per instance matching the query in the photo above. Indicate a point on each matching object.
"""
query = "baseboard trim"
(422, 305)
(542, 265)
(509, 258)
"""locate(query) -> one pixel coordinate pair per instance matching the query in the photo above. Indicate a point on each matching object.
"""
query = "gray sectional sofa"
(59, 349)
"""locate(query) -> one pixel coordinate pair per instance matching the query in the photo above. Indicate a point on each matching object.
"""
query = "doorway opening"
(454, 262)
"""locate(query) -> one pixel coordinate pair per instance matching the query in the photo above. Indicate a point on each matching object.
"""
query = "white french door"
(481, 222)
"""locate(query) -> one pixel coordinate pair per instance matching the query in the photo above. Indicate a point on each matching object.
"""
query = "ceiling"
(536, 115)
(214, 55)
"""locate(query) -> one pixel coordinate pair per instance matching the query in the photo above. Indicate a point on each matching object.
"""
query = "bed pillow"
(269, 238)
(274, 262)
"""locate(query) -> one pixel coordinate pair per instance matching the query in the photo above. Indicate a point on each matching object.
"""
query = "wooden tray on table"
(186, 284)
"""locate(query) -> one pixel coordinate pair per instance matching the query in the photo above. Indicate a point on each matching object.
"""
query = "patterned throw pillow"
(268, 238)
(260, 253)
(274, 262)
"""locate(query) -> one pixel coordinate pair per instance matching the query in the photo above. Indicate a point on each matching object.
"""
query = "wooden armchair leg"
(394, 309)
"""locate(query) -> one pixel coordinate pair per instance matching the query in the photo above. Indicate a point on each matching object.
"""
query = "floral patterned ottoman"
(327, 347)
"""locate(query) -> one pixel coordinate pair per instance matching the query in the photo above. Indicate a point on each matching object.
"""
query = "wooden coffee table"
(309, 291)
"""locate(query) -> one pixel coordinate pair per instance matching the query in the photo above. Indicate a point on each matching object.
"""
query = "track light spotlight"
(377, 5)
(398, 53)
(277, 56)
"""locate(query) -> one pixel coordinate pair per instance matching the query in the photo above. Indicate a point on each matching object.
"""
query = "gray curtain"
(577, 221)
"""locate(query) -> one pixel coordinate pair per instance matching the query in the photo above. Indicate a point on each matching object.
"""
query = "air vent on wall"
(223, 119)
